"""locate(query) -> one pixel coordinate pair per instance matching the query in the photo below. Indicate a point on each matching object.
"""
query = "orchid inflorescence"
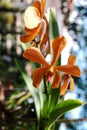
(33, 18)
(49, 80)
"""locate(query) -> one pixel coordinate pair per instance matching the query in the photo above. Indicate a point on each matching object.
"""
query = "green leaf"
(62, 108)
(23, 98)
(55, 94)
(53, 31)
(44, 112)
(34, 92)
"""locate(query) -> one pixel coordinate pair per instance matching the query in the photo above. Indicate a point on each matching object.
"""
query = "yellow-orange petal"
(45, 38)
(38, 75)
(57, 45)
(31, 33)
(43, 3)
(72, 59)
(28, 31)
(69, 69)
(71, 84)
(37, 4)
(26, 38)
(44, 28)
(34, 55)
(64, 87)
(56, 80)
(32, 17)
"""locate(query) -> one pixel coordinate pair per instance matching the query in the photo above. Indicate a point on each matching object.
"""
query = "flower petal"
(71, 84)
(69, 69)
(38, 75)
(43, 2)
(31, 33)
(57, 45)
(34, 55)
(56, 80)
(64, 87)
(45, 37)
(37, 4)
(28, 31)
(44, 28)
(26, 38)
(32, 17)
(72, 59)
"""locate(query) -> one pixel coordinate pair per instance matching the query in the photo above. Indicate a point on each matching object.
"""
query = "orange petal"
(57, 45)
(45, 38)
(69, 69)
(43, 2)
(34, 55)
(64, 87)
(56, 80)
(72, 59)
(38, 75)
(28, 31)
(71, 84)
(44, 28)
(37, 4)
(26, 38)
(32, 33)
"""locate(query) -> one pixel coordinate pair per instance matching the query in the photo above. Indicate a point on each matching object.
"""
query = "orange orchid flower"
(66, 78)
(49, 70)
(33, 19)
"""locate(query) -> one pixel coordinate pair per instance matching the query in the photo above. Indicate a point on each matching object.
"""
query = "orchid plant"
(49, 80)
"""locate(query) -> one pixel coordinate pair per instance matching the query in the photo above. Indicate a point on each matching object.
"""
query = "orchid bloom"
(33, 19)
(66, 78)
(51, 69)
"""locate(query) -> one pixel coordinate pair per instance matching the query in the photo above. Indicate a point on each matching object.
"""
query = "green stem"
(45, 87)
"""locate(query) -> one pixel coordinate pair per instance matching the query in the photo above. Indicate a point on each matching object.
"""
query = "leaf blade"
(34, 92)
(62, 108)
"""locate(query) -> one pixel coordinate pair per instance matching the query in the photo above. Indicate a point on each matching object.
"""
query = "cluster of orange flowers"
(60, 75)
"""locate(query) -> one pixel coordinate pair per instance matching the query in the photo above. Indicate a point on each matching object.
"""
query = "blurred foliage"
(5, 4)
(6, 19)
(14, 95)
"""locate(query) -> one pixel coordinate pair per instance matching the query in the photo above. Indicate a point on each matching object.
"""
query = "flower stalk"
(45, 87)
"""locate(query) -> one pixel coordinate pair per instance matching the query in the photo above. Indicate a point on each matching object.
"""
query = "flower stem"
(45, 87)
